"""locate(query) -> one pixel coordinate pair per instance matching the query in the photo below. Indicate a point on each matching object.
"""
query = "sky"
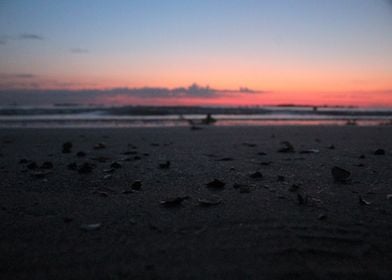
(188, 52)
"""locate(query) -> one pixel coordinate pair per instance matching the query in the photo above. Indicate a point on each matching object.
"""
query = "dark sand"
(260, 231)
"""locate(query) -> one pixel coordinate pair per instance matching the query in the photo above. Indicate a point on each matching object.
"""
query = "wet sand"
(135, 203)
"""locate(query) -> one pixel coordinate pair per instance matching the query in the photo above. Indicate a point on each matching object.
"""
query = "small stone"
(91, 227)
(322, 217)
(164, 165)
(310, 151)
(340, 175)
(302, 200)
(100, 146)
(287, 147)
(363, 201)
(281, 178)
(137, 185)
(107, 176)
(115, 165)
(212, 201)
(67, 219)
(72, 166)
(39, 174)
(242, 188)
(256, 175)
(47, 165)
(67, 146)
(174, 201)
(379, 152)
(80, 154)
(293, 188)
(32, 165)
(127, 153)
(250, 145)
(85, 168)
(225, 159)
(216, 184)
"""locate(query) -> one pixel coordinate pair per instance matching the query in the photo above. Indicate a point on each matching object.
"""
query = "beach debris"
(293, 188)
(256, 175)
(340, 175)
(67, 220)
(40, 173)
(389, 197)
(101, 193)
(127, 153)
(109, 170)
(243, 188)
(107, 176)
(225, 159)
(173, 201)
(211, 201)
(362, 201)
(194, 127)
(32, 165)
(265, 163)
(310, 151)
(80, 154)
(67, 146)
(362, 157)
(331, 147)
(136, 185)
(132, 146)
(47, 165)
(101, 159)
(23, 161)
(322, 216)
(100, 146)
(85, 168)
(72, 166)
(250, 145)
(91, 227)
(281, 178)
(360, 165)
(287, 147)
(216, 184)
(164, 165)
(379, 152)
(262, 154)
(115, 165)
(302, 199)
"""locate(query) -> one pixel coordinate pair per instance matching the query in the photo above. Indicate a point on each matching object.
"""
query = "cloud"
(7, 76)
(31, 36)
(37, 96)
(79, 50)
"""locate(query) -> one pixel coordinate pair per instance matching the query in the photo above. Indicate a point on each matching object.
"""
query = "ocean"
(62, 115)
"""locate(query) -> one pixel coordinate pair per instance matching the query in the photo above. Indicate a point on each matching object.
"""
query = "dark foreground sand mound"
(216, 203)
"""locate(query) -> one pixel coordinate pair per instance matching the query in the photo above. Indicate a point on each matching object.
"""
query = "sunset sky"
(243, 52)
